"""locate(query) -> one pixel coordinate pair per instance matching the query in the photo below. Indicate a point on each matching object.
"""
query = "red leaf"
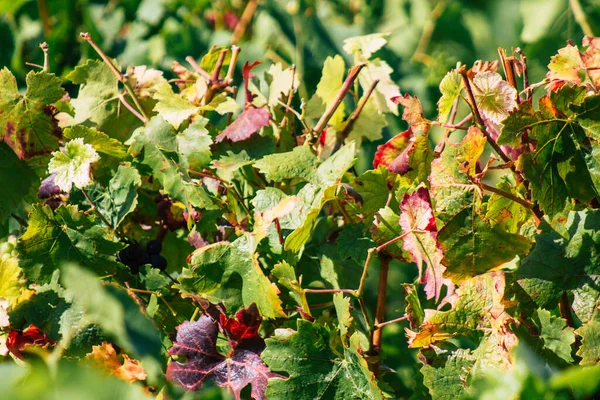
(418, 223)
(413, 113)
(246, 75)
(30, 336)
(245, 325)
(394, 154)
(246, 124)
(197, 342)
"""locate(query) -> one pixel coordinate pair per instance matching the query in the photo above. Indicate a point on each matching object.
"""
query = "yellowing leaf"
(72, 166)
(105, 357)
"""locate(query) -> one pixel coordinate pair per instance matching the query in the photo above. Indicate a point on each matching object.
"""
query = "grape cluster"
(135, 257)
(8, 247)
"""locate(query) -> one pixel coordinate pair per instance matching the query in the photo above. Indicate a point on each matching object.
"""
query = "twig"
(44, 46)
(290, 109)
(217, 71)
(525, 72)
(350, 124)
(240, 27)
(392, 321)
(509, 68)
(279, 232)
(133, 110)
(384, 264)
(44, 16)
(348, 291)
(235, 52)
(503, 193)
(580, 17)
(88, 38)
(428, 29)
(197, 68)
(339, 97)
(96, 211)
(289, 99)
(473, 103)
(211, 176)
(34, 65)
(565, 309)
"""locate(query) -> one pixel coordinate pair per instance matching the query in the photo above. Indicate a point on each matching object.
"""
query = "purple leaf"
(246, 124)
(197, 342)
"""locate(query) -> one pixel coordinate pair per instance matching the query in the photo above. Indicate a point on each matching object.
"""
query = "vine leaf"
(316, 369)
(72, 165)
(105, 356)
(420, 230)
(197, 341)
(477, 307)
(565, 258)
(564, 67)
(495, 97)
(450, 87)
(66, 234)
(413, 113)
(26, 121)
(245, 125)
(555, 334)
(210, 276)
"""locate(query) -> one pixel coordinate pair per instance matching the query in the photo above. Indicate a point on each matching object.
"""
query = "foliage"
(217, 230)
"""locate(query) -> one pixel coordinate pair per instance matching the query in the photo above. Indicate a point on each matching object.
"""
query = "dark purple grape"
(134, 257)
(154, 247)
(158, 261)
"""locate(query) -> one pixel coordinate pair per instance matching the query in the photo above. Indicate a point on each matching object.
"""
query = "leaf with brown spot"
(27, 120)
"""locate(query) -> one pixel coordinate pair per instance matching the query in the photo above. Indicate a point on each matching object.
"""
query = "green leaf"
(299, 163)
(327, 89)
(212, 266)
(121, 197)
(555, 334)
(98, 100)
(504, 214)
(172, 107)
(467, 239)
(72, 165)
(373, 186)
(414, 310)
(21, 189)
(26, 121)
(283, 81)
(368, 126)
(117, 314)
(66, 234)
(316, 371)
(286, 277)
(342, 311)
(590, 343)
(158, 143)
(445, 373)
(450, 87)
(352, 243)
(99, 140)
(565, 258)
(193, 145)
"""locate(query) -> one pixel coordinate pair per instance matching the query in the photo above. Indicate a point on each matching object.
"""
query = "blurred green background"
(427, 39)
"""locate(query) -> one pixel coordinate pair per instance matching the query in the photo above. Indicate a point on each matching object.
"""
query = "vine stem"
(565, 309)
(580, 17)
(350, 124)
(463, 72)
(44, 46)
(242, 24)
(95, 209)
(503, 193)
(384, 264)
(348, 291)
(133, 110)
(339, 97)
(88, 38)
(392, 321)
